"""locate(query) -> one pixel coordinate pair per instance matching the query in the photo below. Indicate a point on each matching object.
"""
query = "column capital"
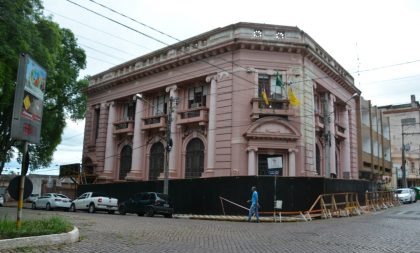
(292, 150)
(255, 149)
(171, 88)
(109, 104)
(217, 77)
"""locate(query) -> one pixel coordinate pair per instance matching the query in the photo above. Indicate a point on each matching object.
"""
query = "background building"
(234, 101)
(374, 139)
(405, 131)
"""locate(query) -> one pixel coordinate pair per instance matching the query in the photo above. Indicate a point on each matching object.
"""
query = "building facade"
(405, 132)
(375, 162)
(236, 100)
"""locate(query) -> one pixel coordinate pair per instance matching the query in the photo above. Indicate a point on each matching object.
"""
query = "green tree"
(25, 29)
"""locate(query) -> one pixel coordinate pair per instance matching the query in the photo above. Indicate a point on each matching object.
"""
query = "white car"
(406, 195)
(50, 201)
(1, 200)
(32, 197)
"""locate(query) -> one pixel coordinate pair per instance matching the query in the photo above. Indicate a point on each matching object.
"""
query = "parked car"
(148, 204)
(417, 190)
(51, 201)
(32, 198)
(1, 200)
(406, 195)
(93, 201)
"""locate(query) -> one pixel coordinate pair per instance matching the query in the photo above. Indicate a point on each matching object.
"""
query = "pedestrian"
(253, 209)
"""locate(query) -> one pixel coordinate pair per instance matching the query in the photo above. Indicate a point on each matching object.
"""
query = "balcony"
(319, 120)
(340, 130)
(124, 127)
(277, 107)
(199, 115)
(154, 122)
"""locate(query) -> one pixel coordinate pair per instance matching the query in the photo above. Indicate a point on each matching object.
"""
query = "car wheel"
(140, 214)
(149, 212)
(48, 207)
(91, 208)
(168, 215)
(33, 205)
(72, 208)
(121, 210)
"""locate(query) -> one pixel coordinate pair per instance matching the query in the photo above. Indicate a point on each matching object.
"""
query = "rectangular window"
(273, 90)
(96, 122)
(408, 121)
(129, 111)
(159, 105)
(197, 96)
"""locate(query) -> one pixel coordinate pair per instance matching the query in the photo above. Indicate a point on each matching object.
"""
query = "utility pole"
(172, 102)
(404, 178)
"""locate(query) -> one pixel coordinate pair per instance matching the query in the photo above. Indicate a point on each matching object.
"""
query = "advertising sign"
(29, 98)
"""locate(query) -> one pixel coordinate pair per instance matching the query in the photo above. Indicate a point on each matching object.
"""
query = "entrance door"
(125, 161)
(157, 160)
(263, 164)
(194, 164)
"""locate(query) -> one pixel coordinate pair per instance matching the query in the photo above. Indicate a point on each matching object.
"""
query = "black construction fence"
(201, 195)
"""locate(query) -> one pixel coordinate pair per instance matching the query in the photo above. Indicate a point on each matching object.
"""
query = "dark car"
(148, 204)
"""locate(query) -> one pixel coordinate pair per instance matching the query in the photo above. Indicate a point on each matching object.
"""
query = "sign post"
(27, 113)
(274, 165)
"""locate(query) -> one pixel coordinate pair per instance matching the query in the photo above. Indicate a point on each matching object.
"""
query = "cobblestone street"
(392, 230)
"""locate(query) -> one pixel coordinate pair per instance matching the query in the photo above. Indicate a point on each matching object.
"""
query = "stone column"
(292, 162)
(136, 162)
(332, 136)
(172, 154)
(252, 161)
(346, 150)
(211, 134)
(110, 143)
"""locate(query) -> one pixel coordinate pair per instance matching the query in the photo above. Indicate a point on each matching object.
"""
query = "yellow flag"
(264, 97)
(292, 98)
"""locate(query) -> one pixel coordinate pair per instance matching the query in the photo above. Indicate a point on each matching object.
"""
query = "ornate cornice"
(250, 36)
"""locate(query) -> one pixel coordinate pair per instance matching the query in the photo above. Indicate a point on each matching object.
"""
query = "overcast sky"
(378, 38)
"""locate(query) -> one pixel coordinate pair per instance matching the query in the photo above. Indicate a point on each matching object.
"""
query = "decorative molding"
(172, 87)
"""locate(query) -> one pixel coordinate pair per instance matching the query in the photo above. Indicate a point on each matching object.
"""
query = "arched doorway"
(125, 161)
(156, 160)
(194, 164)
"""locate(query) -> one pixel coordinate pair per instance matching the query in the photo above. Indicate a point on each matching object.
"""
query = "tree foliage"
(25, 29)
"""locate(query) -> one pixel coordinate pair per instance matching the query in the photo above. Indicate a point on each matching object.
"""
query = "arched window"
(156, 160)
(194, 164)
(125, 161)
(318, 160)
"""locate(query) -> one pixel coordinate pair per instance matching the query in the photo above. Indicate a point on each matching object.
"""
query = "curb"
(41, 240)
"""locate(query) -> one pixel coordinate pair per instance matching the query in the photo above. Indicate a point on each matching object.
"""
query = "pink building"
(212, 86)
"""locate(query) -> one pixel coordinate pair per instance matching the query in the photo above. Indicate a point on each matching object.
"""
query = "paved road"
(392, 230)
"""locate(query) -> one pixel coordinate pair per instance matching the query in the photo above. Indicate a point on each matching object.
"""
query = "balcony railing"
(124, 127)
(340, 130)
(276, 107)
(154, 122)
(319, 120)
(196, 115)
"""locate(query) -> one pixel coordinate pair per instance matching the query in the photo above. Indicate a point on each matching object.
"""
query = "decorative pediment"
(272, 128)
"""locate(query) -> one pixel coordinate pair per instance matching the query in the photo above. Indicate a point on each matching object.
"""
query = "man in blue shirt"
(254, 205)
